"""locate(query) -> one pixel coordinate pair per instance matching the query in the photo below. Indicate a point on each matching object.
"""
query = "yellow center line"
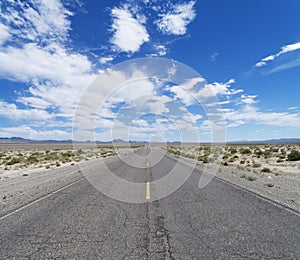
(148, 190)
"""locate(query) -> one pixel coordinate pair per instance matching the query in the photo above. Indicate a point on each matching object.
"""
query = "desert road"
(220, 221)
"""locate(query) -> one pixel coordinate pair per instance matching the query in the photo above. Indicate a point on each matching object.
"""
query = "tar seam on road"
(41, 198)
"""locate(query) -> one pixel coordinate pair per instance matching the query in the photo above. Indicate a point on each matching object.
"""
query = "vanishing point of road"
(220, 221)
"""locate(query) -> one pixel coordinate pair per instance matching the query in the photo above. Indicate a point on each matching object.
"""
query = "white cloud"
(248, 99)
(290, 47)
(214, 56)
(140, 123)
(269, 58)
(56, 75)
(52, 62)
(182, 94)
(250, 114)
(30, 133)
(34, 102)
(133, 91)
(260, 64)
(4, 33)
(129, 32)
(190, 92)
(161, 50)
(189, 84)
(13, 112)
(57, 78)
(293, 108)
(284, 49)
(218, 88)
(37, 20)
(285, 66)
(176, 21)
(104, 60)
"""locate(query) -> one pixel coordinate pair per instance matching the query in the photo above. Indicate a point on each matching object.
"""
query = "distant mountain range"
(23, 141)
(20, 140)
(280, 140)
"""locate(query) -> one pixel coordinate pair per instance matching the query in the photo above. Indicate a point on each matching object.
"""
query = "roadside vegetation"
(50, 158)
(274, 159)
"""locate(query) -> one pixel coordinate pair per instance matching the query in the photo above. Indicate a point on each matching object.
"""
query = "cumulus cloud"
(284, 49)
(4, 33)
(104, 60)
(36, 55)
(176, 21)
(194, 90)
(130, 32)
(248, 99)
(37, 20)
(218, 88)
(30, 133)
(13, 112)
(250, 114)
(52, 62)
(161, 50)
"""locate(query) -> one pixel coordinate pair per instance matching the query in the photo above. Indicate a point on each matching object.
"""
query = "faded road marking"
(148, 190)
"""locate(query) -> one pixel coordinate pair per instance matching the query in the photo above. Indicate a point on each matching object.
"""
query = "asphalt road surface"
(220, 221)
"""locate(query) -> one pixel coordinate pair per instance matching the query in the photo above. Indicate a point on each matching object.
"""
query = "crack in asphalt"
(163, 234)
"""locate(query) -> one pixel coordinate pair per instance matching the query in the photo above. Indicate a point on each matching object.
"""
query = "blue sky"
(248, 52)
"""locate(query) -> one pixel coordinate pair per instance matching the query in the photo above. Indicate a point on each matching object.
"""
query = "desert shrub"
(242, 162)
(265, 170)
(250, 178)
(225, 164)
(243, 176)
(269, 185)
(32, 159)
(51, 156)
(14, 160)
(233, 150)
(176, 152)
(282, 156)
(282, 150)
(258, 152)
(267, 154)
(80, 151)
(256, 165)
(67, 154)
(280, 160)
(203, 158)
(245, 151)
(294, 156)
